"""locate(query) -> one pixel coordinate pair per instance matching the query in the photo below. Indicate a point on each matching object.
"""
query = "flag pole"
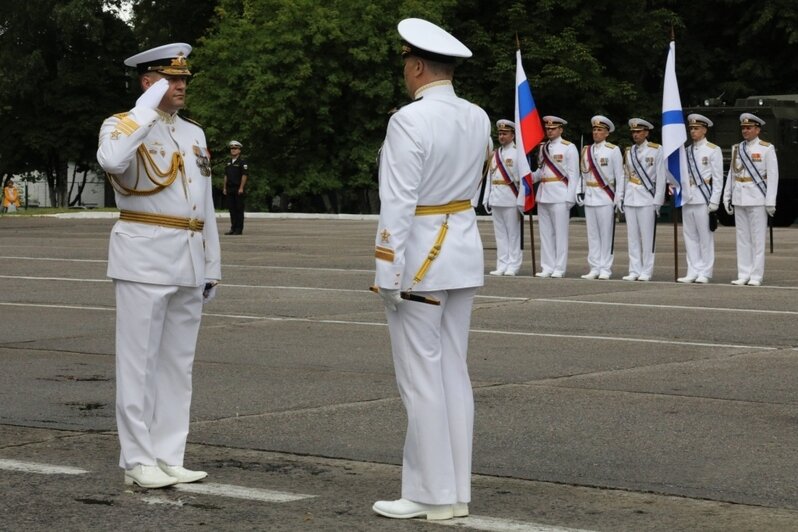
(675, 215)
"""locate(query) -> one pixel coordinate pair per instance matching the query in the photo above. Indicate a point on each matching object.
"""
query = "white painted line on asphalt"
(240, 492)
(53, 259)
(31, 278)
(494, 524)
(41, 469)
(43, 305)
(679, 307)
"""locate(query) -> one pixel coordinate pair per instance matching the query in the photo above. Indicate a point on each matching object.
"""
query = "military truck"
(780, 113)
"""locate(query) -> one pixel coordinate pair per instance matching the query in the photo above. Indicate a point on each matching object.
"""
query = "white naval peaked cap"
(638, 124)
(234, 144)
(553, 121)
(602, 121)
(424, 39)
(695, 119)
(504, 124)
(748, 119)
(168, 59)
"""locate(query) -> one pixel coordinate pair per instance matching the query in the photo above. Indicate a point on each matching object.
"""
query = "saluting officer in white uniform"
(427, 242)
(601, 192)
(644, 193)
(501, 194)
(750, 194)
(702, 197)
(164, 259)
(558, 175)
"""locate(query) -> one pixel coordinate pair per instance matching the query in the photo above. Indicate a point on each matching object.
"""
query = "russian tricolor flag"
(528, 132)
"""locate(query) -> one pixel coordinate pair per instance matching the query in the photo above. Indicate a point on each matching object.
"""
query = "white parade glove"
(569, 205)
(390, 297)
(729, 208)
(619, 207)
(209, 292)
(713, 207)
(656, 210)
(152, 97)
(580, 200)
(520, 209)
(771, 210)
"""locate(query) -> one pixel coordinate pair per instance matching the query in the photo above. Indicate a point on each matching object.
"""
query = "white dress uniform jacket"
(552, 189)
(648, 158)
(149, 253)
(497, 192)
(425, 161)
(433, 155)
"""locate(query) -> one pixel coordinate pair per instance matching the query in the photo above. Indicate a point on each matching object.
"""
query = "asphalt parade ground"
(600, 405)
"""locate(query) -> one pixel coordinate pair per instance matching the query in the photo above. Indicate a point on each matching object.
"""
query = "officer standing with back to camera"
(601, 193)
(558, 175)
(644, 194)
(701, 198)
(501, 194)
(236, 174)
(165, 261)
(428, 243)
(750, 194)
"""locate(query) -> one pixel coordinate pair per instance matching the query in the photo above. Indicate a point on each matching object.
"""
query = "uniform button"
(173, 129)
(189, 180)
(195, 207)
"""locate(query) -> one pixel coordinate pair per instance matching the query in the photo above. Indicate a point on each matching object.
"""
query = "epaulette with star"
(610, 145)
(653, 145)
(763, 143)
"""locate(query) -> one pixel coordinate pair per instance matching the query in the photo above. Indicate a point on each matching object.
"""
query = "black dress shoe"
(230, 233)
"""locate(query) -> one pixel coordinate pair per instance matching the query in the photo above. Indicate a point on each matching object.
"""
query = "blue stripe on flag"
(674, 167)
(525, 102)
(672, 117)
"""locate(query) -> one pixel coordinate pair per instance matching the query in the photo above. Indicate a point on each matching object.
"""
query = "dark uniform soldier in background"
(235, 179)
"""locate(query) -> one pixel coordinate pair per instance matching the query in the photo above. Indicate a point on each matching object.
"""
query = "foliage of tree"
(61, 74)
(157, 22)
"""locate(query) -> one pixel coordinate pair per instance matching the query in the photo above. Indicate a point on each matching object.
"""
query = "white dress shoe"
(405, 509)
(739, 282)
(754, 282)
(148, 476)
(181, 474)
(630, 277)
(702, 279)
(604, 276)
(556, 275)
(497, 272)
(590, 275)
(644, 278)
(460, 509)
(544, 275)
(688, 279)
(510, 273)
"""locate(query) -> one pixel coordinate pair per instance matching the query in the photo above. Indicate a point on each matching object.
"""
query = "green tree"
(61, 73)
(158, 22)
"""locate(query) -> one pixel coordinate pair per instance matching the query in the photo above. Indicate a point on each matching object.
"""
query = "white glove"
(569, 205)
(520, 209)
(152, 97)
(713, 207)
(771, 210)
(580, 200)
(390, 297)
(209, 292)
(656, 210)
(729, 208)
(619, 207)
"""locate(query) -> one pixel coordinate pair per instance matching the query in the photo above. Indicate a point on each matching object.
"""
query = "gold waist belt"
(164, 220)
(498, 182)
(593, 184)
(449, 208)
(744, 179)
(636, 181)
(549, 179)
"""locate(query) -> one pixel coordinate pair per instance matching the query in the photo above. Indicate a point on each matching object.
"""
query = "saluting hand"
(152, 97)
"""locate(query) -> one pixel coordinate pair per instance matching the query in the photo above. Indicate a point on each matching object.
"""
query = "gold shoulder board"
(190, 120)
(711, 146)
(121, 115)
(653, 145)
(610, 145)
(765, 144)
(565, 142)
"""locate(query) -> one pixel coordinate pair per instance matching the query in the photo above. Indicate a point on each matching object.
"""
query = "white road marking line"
(678, 307)
(240, 492)
(495, 524)
(475, 331)
(41, 469)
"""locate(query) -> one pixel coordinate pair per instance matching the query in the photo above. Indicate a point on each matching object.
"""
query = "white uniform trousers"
(156, 334)
(553, 227)
(640, 225)
(752, 226)
(699, 241)
(599, 220)
(429, 345)
(507, 228)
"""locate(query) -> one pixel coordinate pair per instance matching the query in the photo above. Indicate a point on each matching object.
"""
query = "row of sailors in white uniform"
(605, 181)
